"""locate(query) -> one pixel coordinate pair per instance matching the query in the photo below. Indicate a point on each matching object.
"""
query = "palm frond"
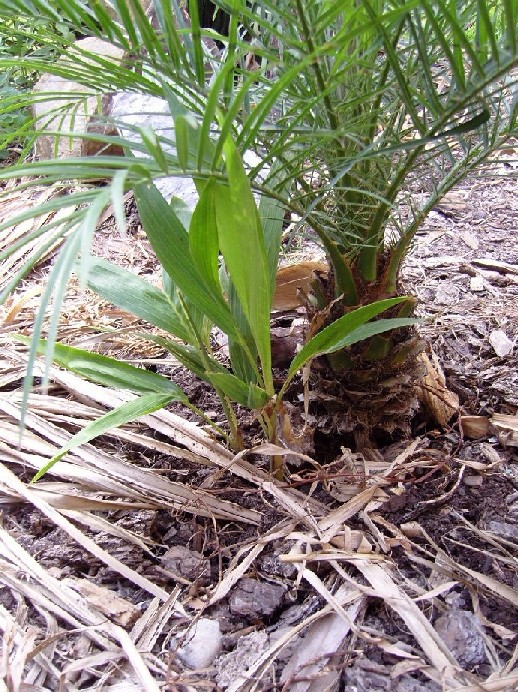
(351, 101)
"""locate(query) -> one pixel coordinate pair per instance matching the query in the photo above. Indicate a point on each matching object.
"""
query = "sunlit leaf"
(248, 395)
(129, 292)
(170, 241)
(348, 330)
(126, 413)
(109, 371)
(203, 236)
(242, 245)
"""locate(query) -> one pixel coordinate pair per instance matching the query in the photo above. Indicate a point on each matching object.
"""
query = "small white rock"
(447, 294)
(501, 343)
(202, 646)
(476, 284)
(470, 239)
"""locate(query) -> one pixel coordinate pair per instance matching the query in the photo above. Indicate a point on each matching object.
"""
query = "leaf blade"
(170, 242)
(129, 292)
(109, 371)
(242, 246)
(347, 330)
(126, 413)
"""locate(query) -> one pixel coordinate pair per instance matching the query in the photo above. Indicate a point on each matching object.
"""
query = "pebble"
(476, 284)
(256, 598)
(367, 676)
(460, 631)
(501, 343)
(271, 564)
(504, 530)
(447, 294)
(235, 664)
(188, 564)
(202, 645)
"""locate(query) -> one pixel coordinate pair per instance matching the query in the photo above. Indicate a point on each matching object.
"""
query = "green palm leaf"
(351, 103)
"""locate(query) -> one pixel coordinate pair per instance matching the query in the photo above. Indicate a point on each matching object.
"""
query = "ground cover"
(393, 569)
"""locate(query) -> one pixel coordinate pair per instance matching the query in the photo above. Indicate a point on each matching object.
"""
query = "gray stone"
(87, 117)
(152, 113)
(271, 564)
(202, 645)
(367, 676)
(406, 683)
(235, 664)
(501, 343)
(188, 564)
(461, 632)
(504, 530)
(447, 294)
(256, 598)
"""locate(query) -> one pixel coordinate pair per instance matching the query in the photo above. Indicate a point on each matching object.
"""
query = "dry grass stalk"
(311, 533)
(14, 203)
(98, 469)
(81, 538)
(441, 403)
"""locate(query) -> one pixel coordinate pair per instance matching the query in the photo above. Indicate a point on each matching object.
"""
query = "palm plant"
(352, 106)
